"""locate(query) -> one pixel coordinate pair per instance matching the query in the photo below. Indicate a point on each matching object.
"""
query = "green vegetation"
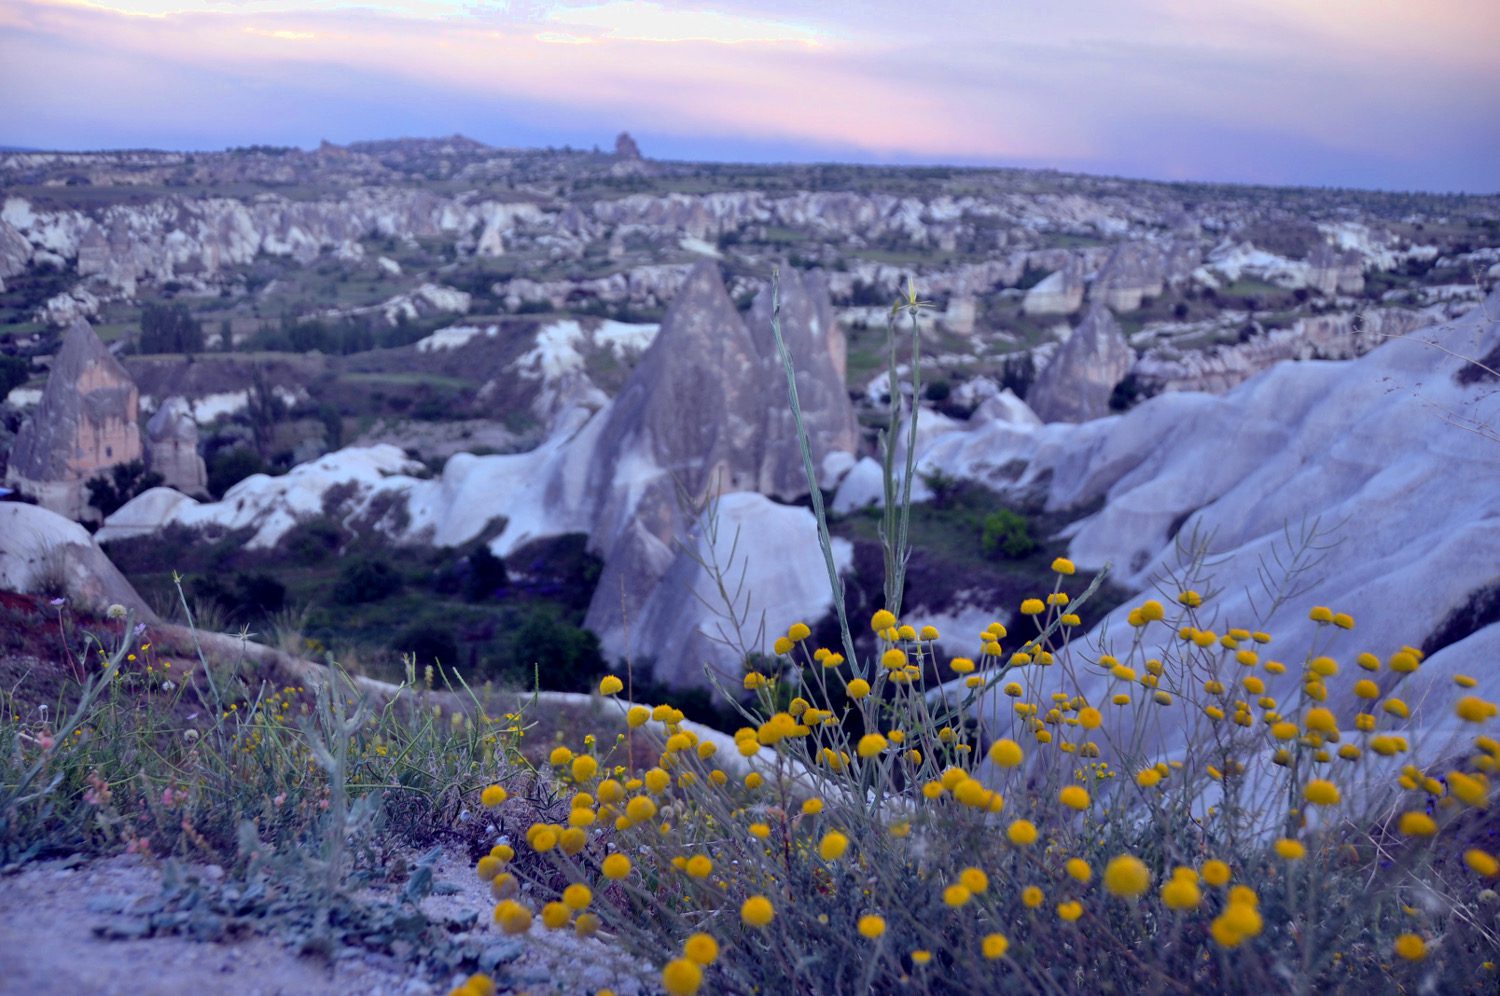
(303, 793)
(1006, 533)
(108, 492)
(169, 328)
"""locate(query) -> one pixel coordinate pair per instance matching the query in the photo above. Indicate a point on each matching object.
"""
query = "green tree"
(366, 580)
(170, 328)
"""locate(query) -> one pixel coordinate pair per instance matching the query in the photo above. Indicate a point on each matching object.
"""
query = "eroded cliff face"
(1324, 337)
(86, 423)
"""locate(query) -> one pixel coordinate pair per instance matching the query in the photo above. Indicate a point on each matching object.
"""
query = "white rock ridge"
(1395, 458)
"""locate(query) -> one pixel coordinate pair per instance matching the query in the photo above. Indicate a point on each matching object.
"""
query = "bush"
(485, 576)
(429, 644)
(108, 493)
(14, 371)
(364, 580)
(566, 657)
(1007, 864)
(228, 467)
(244, 599)
(1006, 533)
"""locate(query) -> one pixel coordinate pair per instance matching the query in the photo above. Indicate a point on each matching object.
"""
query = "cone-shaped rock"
(818, 349)
(1076, 385)
(85, 424)
(701, 415)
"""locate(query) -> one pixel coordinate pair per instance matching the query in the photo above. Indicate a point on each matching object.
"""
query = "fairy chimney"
(172, 448)
(86, 423)
(1077, 384)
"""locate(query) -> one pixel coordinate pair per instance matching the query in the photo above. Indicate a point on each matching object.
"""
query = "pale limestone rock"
(1058, 293)
(1334, 271)
(86, 423)
(172, 447)
(15, 252)
(1321, 337)
(701, 416)
(685, 624)
(1075, 386)
(70, 306)
(39, 548)
(1382, 451)
(1133, 271)
(959, 316)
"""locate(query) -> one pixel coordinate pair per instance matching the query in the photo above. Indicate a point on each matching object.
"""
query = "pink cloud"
(1086, 82)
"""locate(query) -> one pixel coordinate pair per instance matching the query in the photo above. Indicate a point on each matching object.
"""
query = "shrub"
(1006, 533)
(108, 493)
(566, 657)
(244, 598)
(14, 371)
(428, 644)
(486, 575)
(365, 579)
(228, 467)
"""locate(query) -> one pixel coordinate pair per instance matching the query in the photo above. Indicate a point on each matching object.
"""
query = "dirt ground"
(55, 920)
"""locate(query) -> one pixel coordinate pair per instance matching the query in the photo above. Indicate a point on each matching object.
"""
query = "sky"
(1387, 94)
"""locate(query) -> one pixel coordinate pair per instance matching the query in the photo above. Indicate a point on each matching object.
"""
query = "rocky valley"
(510, 408)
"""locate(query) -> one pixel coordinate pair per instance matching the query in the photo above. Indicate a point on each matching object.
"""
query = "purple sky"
(1394, 94)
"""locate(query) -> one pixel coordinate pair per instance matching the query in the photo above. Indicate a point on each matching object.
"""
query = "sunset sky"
(1401, 94)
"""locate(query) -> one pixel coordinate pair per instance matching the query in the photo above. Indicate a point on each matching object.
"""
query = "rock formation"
(1394, 454)
(1323, 337)
(15, 252)
(1058, 293)
(1133, 271)
(703, 415)
(625, 147)
(1075, 386)
(819, 354)
(172, 447)
(1334, 271)
(85, 424)
(43, 553)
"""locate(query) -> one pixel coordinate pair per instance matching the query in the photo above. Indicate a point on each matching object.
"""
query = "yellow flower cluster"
(869, 800)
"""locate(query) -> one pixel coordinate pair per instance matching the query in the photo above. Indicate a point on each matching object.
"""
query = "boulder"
(1075, 386)
(85, 424)
(767, 556)
(43, 553)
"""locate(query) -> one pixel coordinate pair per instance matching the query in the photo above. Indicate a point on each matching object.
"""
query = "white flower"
(190, 735)
(115, 611)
